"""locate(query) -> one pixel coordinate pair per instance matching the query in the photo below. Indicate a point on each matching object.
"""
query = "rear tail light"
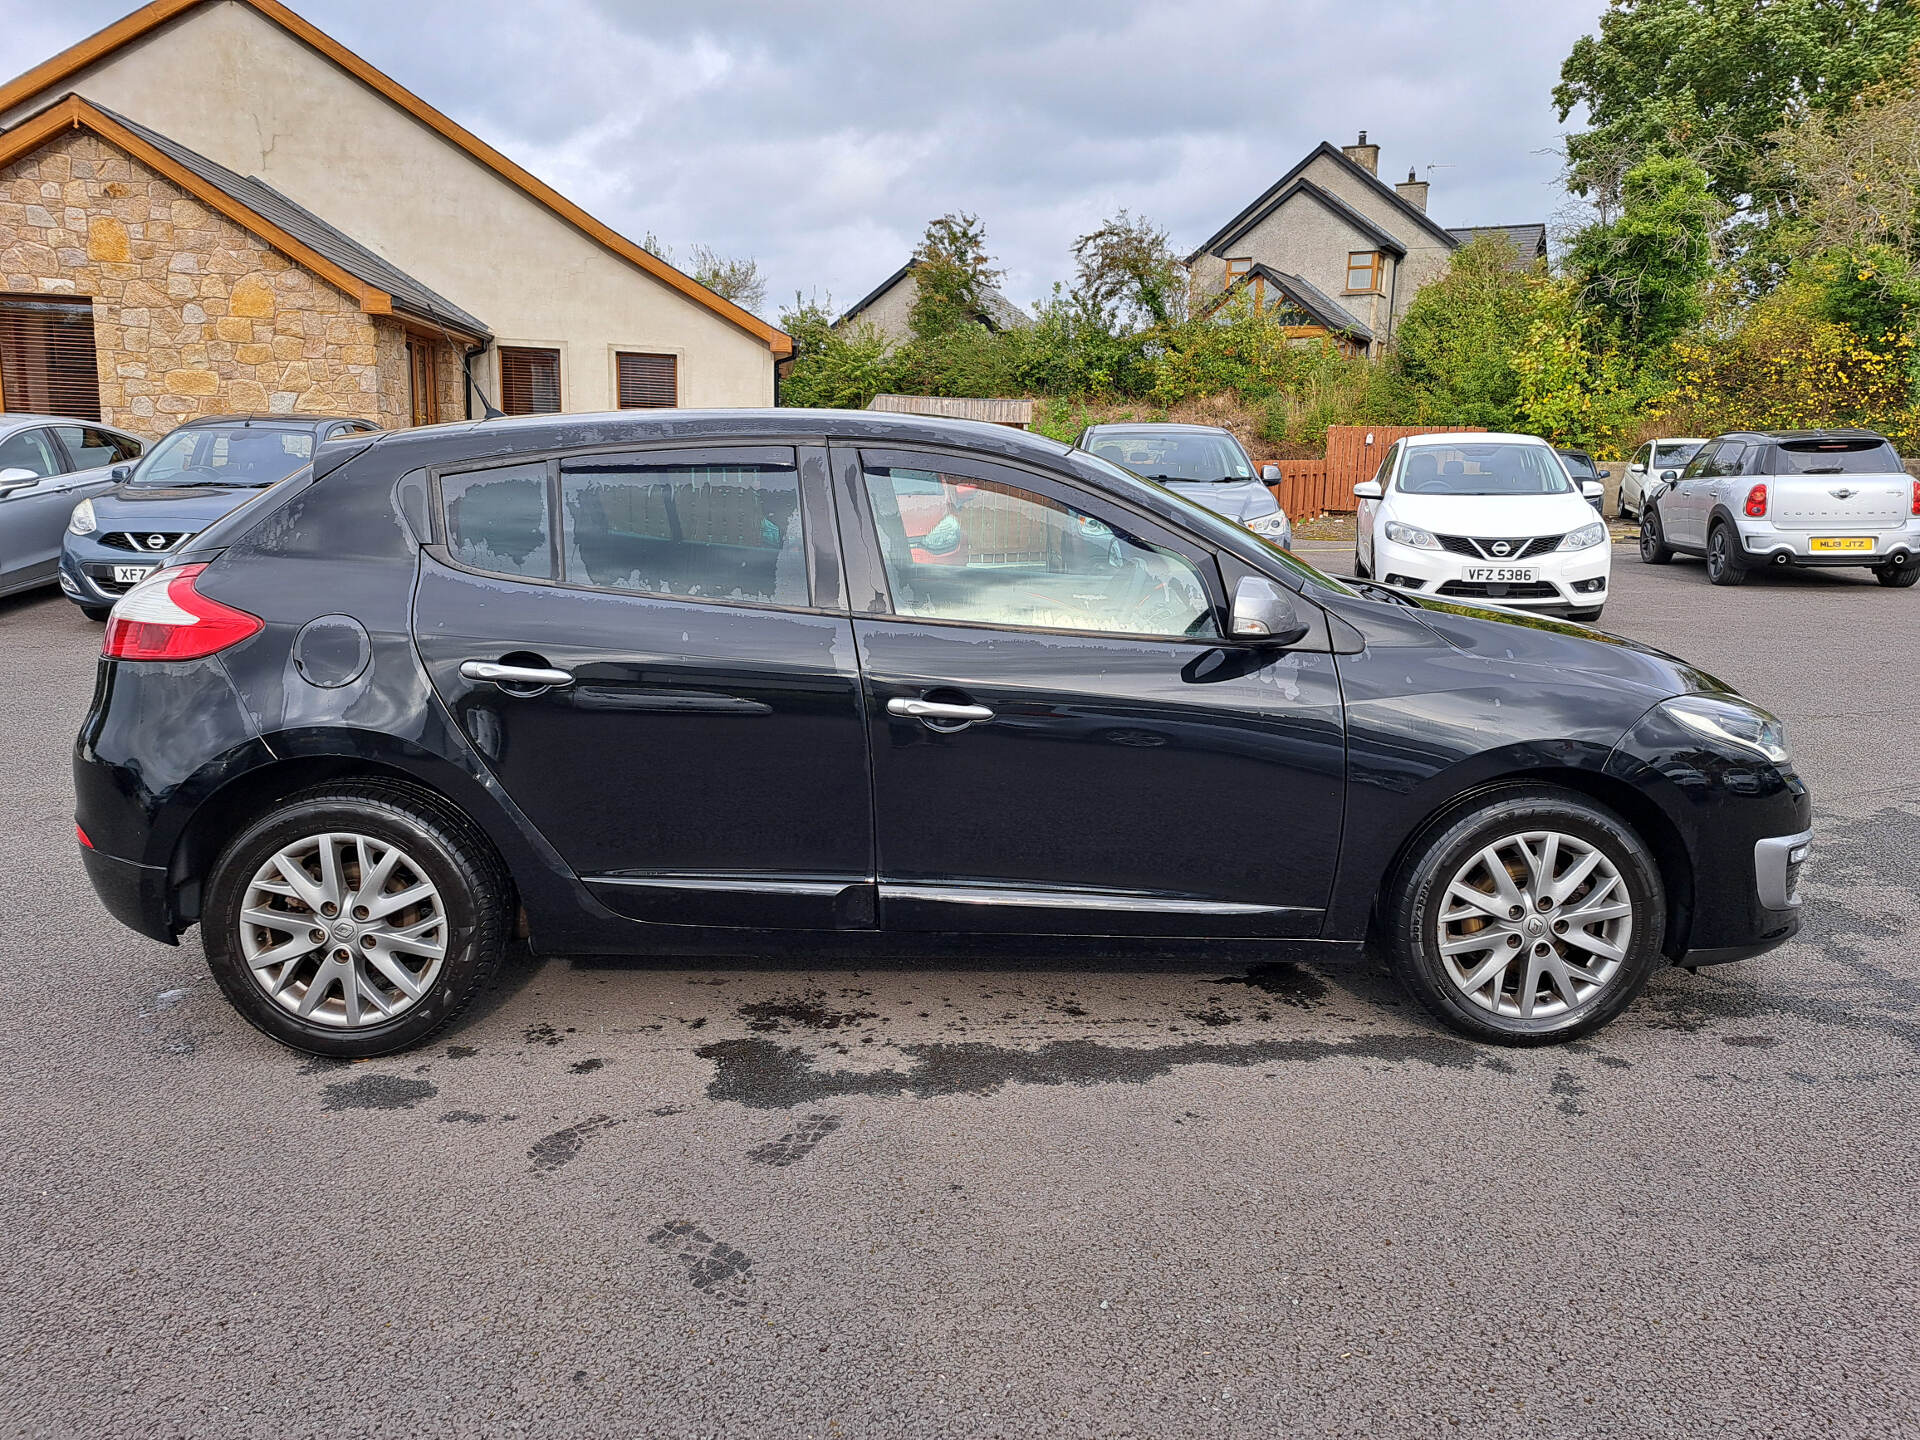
(81, 836)
(1916, 497)
(165, 618)
(1756, 502)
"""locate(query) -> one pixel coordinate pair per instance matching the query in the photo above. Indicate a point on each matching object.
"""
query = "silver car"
(1205, 463)
(49, 464)
(1789, 497)
(1654, 463)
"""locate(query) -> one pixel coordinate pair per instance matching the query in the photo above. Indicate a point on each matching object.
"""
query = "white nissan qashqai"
(1480, 517)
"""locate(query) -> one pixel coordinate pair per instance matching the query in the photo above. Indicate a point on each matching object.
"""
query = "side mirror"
(1264, 614)
(1367, 490)
(1592, 489)
(119, 473)
(1604, 474)
(1667, 477)
(1270, 474)
(16, 477)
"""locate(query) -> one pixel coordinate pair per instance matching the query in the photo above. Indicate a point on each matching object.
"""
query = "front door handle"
(935, 711)
(498, 674)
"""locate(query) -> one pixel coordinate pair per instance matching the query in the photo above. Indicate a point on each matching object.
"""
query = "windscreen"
(1838, 457)
(1492, 468)
(1164, 455)
(1580, 467)
(249, 456)
(1675, 456)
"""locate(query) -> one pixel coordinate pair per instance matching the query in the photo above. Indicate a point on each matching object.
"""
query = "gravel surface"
(1008, 1200)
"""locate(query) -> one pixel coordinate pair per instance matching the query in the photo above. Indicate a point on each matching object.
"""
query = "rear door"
(1061, 742)
(649, 649)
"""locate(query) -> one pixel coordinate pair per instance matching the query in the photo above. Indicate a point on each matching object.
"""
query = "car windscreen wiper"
(1391, 592)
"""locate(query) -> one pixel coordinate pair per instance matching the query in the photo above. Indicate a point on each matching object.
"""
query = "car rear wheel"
(355, 920)
(1898, 577)
(1653, 545)
(1722, 568)
(1532, 919)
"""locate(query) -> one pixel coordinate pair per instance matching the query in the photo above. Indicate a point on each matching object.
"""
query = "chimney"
(1413, 191)
(1366, 156)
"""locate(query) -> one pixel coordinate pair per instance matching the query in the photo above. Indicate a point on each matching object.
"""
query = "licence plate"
(132, 574)
(1500, 574)
(1842, 542)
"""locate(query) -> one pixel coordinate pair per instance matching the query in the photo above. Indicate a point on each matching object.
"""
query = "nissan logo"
(1499, 547)
(156, 542)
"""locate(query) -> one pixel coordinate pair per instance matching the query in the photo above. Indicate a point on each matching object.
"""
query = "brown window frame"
(641, 391)
(517, 380)
(1372, 269)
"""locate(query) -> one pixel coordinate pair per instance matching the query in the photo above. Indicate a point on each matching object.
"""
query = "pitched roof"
(1001, 313)
(1277, 193)
(380, 287)
(1310, 298)
(133, 27)
(409, 295)
(1530, 240)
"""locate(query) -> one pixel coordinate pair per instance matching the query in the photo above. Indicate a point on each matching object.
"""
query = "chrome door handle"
(934, 710)
(488, 670)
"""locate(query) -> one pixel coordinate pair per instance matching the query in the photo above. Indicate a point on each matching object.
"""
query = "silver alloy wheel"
(1534, 925)
(343, 930)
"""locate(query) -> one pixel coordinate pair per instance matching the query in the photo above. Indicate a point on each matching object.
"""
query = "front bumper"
(1764, 543)
(87, 569)
(1564, 581)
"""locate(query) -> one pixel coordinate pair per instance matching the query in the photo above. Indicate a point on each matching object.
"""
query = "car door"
(94, 452)
(1367, 512)
(1684, 509)
(1061, 741)
(649, 649)
(1633, 484)
(34, 507)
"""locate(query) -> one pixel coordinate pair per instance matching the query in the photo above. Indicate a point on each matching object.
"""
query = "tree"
(1647, 271)
(1126, 274)
(1717, 79)
(1856, 170)
(1455, 347)
(952, 273)
(840, 368)
(739, 280)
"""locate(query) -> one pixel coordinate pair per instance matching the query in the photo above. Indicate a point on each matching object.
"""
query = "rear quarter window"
(497, 520)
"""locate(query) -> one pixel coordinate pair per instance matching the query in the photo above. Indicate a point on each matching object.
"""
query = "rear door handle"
(492, 672)
(936, 711)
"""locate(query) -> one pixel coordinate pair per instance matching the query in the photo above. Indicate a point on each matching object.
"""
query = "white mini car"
(1484, 517)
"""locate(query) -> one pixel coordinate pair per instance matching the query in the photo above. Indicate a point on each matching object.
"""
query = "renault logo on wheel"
(156, 542)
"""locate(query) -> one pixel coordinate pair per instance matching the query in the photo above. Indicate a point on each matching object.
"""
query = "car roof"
(12, 419)
(1472, 437)
(1838, 432)
(1179, 425)
(292, 422)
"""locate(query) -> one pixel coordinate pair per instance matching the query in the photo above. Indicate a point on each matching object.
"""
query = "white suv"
(1484, 517)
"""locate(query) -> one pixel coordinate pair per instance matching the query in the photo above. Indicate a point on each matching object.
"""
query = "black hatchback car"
(689, 682)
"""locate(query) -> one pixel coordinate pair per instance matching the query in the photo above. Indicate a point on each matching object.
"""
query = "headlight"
(1733, 722)
(81, 522)
(1586, 537)
(1411, 535)
(1272, 526)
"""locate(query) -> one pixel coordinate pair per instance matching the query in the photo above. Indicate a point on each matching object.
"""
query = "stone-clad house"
(1339, 250)
(212, 206)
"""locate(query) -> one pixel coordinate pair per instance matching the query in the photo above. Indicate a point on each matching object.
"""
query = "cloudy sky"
(819, 138)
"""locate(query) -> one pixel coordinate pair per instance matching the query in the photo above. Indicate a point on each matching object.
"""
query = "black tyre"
(1653, 545)
(1897, 577)
(356, 919)
(1722, 567)
(1533, 918)
(96, 612)
(1360, 571)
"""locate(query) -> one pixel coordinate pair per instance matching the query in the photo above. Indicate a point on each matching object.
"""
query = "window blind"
(649, 382)
(46, 357)
(529, 380)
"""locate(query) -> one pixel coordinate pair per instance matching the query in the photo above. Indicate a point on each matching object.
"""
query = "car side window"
(1755, 462)
(91, 449)
(1726, 459)
(1642, 457)
(1385, 472)
(1701, 463)
(30, 450)
(991, 552)
(496, 520)
(730, 530)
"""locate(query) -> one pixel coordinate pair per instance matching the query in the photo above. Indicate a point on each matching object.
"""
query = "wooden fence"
(1354, 452)
(1301, 489)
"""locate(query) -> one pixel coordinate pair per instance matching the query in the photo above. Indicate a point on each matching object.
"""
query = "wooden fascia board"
(149, 17)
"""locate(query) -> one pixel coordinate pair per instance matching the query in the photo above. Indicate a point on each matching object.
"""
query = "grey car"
(1202, 462)
(49, 464)
(1754, 499)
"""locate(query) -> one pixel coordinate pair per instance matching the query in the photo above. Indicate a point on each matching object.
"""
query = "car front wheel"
(1534, 918)
(1653, 546)
(355, 920)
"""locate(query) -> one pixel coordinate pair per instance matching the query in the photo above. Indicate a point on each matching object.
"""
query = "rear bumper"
(1763, 543)
(134, 894)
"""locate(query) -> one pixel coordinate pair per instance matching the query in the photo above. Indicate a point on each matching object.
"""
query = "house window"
(46, 357)
(648, 382)
(529, 380)
(425, 379)
(1237, 270)
(1363, 270)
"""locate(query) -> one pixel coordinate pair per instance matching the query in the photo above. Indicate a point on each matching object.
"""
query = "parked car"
(47, 462)
(1202, 462)
(1789, 498)
(189, 479)
(1649, 467)
(640, 683)
(1484, 517)
(1581, 467)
